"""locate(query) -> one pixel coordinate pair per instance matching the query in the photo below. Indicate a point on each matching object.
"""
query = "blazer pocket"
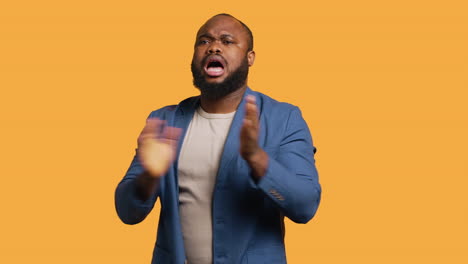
(271, 255)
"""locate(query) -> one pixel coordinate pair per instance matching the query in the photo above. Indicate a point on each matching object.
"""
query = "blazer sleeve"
(130, 208)
(291, 179)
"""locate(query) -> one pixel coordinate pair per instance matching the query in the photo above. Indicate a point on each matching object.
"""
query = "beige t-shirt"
(197, 169)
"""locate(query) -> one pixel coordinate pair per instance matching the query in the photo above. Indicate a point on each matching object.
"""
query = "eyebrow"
(206, 35)
(227, 36)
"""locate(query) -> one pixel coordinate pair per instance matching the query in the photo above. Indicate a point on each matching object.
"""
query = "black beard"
(215, 91)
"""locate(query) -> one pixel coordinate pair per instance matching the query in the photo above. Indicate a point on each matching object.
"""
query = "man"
(227, 165)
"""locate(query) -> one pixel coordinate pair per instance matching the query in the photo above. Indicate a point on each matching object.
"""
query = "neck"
(226, 104)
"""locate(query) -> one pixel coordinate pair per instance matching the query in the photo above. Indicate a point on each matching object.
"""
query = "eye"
(203, 41)
(228, 42)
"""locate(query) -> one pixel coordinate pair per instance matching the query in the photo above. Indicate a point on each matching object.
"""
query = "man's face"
(221, 59)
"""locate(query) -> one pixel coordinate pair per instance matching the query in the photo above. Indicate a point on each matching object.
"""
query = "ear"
(251, 57)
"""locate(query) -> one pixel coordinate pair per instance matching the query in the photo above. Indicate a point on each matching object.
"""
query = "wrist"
(146, 185)
(258, 162)
(254, 156)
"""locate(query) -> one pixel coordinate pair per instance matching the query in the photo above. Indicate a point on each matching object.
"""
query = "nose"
(214, 48)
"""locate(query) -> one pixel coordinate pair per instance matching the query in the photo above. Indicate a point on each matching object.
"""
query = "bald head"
(247, 30)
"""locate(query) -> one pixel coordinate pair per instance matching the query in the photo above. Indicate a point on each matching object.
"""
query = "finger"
(251, 112)
(251, 104)
(250, 98)
(153, 127)
(151, 130)
(171, 133)
(247, 125)
(248, 131)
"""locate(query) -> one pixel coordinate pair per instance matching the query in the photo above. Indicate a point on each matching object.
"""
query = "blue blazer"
(248, 216)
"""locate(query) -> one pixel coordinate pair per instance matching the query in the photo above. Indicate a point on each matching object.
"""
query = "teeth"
(215, 71)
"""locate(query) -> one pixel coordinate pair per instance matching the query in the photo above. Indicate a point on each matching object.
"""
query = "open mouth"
(214, 67)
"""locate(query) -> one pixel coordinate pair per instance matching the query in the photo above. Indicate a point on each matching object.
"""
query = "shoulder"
(271, 107)
(280, 121)
(165, 112)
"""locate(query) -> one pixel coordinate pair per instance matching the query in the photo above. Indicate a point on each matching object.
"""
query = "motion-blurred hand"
(249, 148)
(157, 146)
(249, 131)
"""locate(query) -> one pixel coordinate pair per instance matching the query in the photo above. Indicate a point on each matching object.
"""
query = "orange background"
(382, 85)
